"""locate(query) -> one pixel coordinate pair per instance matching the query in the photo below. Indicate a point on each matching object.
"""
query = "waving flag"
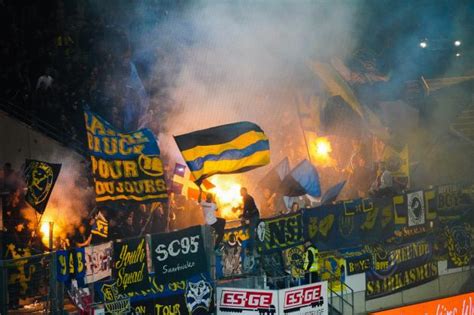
(331, 194)
(100, 226)
(126, 166)
(226, 149)
(40, 178)
(275, 176)
(183, 183)
(302, 180)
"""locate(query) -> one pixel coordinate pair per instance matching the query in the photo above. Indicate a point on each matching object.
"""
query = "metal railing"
(344, 290)
(28, 285)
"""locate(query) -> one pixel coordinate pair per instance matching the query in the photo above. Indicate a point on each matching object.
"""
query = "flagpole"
(38, 227)
(302, 129)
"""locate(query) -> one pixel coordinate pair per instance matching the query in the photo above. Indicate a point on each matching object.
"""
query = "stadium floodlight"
(457, 43)
(458, 54)
(423, 44)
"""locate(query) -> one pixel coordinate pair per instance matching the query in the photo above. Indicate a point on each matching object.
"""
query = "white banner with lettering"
(307, 299)
(98, 262)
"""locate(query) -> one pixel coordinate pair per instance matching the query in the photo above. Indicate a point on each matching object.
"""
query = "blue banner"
(125, 166)
(348, 224)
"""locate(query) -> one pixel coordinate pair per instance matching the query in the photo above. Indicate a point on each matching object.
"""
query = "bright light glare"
(323, 147)
(423, 44)
(457, 43)
(458, 54)
(228, 197)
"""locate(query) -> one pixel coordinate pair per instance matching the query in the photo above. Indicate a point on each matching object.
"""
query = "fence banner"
(358, 264)
(98, 262)
(458, 241)
(234, 260)
(246, 301)
(196, 298)
(349, 224)
(130, 265)
(307, 299)
(402, 278)
(178, 255)
(452, 200)
(277, 234)
(71, 264)
(458, 304)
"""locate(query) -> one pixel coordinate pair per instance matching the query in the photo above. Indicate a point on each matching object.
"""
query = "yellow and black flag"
(40, 178)
(226, 149)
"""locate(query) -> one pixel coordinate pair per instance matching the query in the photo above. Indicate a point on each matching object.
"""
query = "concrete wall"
(449, 282)
(19, 141)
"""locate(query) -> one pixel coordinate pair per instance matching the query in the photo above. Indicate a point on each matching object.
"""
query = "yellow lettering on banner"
(367, 205)
(113, 144)
(167, 309)
(151, 165)
(431, 214)
(350, 211)
(102, 188)
(80, 265)
(114, 169)
(63, 264)
(149, 187)
(71, 263)
(94, 126)
(323, 227)
(397, 201)
(370, 219)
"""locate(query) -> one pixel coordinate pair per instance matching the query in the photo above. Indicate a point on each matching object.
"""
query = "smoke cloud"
(70, 200)
(249, 61)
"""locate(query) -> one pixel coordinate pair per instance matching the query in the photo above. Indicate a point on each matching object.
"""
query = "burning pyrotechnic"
(45, 232)
(322, 152)
(228, 198)
(323, 147)
(59, 227)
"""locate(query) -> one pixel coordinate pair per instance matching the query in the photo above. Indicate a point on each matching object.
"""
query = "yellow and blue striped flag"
(226, 149)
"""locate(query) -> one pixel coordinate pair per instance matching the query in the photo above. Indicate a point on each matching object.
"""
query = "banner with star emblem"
(40, 178)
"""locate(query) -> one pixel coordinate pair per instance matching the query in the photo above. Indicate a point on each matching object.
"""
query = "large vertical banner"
(307, 299)
(125, 166)
(178, 255)
(130, 265)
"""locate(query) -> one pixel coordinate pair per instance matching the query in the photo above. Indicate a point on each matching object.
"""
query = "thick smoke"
(219, 62)
(250, 61)
(70, 201)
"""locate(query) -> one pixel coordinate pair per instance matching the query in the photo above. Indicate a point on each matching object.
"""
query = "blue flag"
(331, 194)
(275, 176)
(302, 180)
